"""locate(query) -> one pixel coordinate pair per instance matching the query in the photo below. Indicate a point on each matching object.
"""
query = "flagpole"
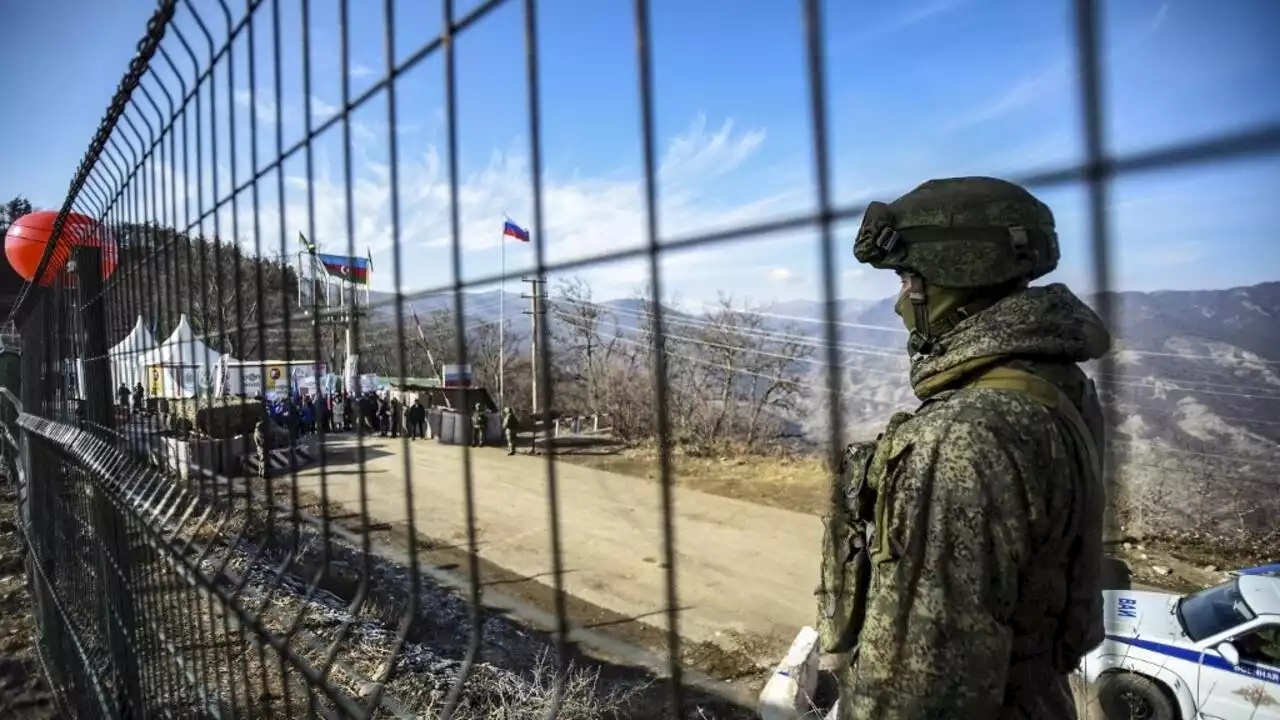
(502, 322)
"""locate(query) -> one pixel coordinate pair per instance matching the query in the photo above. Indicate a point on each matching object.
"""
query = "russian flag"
(510, 229)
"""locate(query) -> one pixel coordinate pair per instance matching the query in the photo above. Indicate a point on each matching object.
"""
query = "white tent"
(126, 356)
(181, 366)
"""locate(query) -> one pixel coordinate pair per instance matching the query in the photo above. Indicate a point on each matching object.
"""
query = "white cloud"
(583, 216)
(781, 275)
(321, 110)
(263, 106)
(1161, 15)
(923, 13)
(1024, 93)
(358, 70)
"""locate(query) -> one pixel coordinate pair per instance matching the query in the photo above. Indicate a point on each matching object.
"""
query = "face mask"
(939, 303)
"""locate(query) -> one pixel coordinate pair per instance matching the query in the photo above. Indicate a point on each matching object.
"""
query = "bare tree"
(585, 341)
(747, 379)
(486, 345)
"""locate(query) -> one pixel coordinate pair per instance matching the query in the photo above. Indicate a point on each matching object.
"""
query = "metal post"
(533, 349)
(502, 324)
(114, 556)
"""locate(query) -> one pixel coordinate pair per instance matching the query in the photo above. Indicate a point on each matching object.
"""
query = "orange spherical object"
(28, 236)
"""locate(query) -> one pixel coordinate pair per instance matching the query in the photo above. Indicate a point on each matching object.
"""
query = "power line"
(1161, 383)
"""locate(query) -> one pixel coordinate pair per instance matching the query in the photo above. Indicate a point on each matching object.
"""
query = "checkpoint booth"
(450, 404)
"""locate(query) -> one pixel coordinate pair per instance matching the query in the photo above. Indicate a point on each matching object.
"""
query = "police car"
(1212, 655)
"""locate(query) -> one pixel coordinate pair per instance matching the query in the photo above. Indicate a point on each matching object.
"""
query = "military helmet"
(967, 232)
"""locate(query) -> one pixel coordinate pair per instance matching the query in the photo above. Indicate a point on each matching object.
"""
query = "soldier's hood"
(1046, 323)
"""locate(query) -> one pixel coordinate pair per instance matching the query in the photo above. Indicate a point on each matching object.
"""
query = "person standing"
(510, 427)
(384, 416)
(397, 416)
(122, 396)
(260, 446)
(340, 414)
(477, 426)
(417, 419)
(962, 555)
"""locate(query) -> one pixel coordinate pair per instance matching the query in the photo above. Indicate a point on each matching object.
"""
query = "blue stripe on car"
(1191, 655)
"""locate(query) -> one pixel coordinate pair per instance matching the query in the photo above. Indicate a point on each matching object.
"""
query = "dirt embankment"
(23, 694)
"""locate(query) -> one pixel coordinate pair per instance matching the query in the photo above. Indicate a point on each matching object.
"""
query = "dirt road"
(746, 571)
(741, 567)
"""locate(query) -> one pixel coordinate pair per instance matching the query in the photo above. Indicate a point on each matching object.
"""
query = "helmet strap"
(920, 342)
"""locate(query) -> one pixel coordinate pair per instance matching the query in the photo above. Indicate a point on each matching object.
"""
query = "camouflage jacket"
(985, 560)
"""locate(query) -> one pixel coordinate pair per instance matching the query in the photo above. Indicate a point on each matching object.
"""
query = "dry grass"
(782, 480)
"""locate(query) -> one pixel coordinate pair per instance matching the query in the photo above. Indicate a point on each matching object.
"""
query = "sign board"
(155, 381)
(250, 377)
(455, 376)
(277, 379)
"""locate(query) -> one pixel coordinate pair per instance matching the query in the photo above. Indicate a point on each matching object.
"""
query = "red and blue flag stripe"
(510, 229)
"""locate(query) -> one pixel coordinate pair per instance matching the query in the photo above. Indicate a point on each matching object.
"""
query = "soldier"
(417, 416)
(477, 426)
(122, 396)
(963, 549)
(510, 426)
(260, 446)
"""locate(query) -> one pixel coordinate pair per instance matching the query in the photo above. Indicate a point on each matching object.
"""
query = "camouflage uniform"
(962, 557)
(477, 426)
(260, 447)
(509, 429)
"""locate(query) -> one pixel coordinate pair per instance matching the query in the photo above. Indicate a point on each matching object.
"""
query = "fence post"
(114, 554)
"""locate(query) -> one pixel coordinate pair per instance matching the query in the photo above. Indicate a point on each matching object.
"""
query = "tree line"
(729, 378)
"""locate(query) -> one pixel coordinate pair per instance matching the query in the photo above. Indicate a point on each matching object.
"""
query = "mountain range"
(1194, 387)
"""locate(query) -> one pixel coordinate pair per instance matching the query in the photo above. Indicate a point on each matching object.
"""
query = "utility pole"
(534, 313)
(591, 379)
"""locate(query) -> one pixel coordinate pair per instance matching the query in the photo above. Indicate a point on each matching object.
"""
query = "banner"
(277, 380)
(250, 377)
(155, 381)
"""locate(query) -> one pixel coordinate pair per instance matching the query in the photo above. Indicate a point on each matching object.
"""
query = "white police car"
(1214, 654)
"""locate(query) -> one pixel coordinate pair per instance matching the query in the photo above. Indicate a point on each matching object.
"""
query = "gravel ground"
(195, 649)
(23, 695)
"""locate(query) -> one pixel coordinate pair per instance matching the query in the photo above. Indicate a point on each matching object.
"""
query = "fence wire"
(171, 577)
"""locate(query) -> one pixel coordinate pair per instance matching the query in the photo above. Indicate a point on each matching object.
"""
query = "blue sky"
(917, 88)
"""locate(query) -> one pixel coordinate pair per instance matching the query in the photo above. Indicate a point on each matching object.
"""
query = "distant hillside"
(1196, 389)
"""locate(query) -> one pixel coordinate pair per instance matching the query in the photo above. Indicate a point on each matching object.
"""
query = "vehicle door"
(1250, 686)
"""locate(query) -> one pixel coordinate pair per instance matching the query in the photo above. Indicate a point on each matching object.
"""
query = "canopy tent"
(181, 366)
(125, 357)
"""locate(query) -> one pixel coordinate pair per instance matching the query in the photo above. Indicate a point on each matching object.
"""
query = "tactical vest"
(853, 550)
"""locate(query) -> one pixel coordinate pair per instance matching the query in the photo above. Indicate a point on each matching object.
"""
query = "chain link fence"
(174, 574)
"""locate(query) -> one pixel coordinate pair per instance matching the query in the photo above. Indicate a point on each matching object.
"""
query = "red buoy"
(28, 236)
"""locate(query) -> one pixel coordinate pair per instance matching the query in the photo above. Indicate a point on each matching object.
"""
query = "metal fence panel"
(170, 581)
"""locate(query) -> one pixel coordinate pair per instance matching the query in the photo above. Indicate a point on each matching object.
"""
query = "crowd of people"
(345, 412)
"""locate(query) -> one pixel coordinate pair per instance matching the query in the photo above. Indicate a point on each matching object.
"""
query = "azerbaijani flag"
(352, 269)
(510, 229)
